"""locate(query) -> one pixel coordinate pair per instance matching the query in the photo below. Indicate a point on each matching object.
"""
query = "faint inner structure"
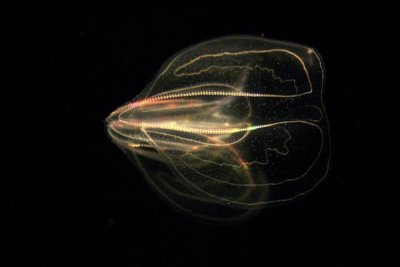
(229, 126)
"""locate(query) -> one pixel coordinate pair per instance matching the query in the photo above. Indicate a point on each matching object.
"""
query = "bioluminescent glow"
(229, 126)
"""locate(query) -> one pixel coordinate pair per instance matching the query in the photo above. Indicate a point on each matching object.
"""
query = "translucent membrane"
(229, 126)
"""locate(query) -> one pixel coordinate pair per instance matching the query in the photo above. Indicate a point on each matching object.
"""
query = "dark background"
(72, 198)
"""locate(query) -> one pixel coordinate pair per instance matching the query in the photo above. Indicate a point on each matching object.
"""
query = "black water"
(74, 198)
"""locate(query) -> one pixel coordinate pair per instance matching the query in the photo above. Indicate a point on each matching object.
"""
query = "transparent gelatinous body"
(229, 126)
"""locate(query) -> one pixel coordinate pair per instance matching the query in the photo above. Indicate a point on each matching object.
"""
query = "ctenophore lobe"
(229, 126)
